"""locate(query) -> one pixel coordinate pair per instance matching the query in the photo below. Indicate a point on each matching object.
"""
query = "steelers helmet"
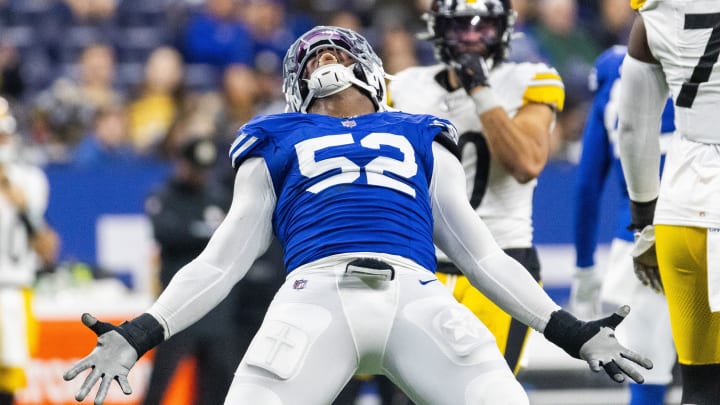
(482, 27)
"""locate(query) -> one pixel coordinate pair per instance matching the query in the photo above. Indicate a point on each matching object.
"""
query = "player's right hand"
(111, 359)
(472, 71)
(645, 259)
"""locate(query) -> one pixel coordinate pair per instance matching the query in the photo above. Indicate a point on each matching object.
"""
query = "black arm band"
(566, 331)
(641, 214)
(29, 227)
(143, 333)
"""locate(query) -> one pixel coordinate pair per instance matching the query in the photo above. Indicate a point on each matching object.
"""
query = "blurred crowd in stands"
(101, 80)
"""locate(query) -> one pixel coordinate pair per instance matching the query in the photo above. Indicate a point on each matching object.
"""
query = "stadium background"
(99, 185)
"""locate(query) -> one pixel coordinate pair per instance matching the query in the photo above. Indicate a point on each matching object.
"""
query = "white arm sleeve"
(643, 94)
(465, 238)
(243, 236)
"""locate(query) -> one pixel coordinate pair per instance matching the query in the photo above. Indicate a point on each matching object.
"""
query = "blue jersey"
(600, 158)
(348, 185)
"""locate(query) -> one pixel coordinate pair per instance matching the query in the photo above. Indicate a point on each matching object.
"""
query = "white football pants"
(324, 326)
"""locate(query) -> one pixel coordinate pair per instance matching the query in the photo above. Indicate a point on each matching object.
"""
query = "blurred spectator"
(567, 45)
(271, 32)
(156, 106)
(108, 142)
(346, 19)
(612, 25)
(62, 113)
(397, 49)
(97, 74)
(240, 94)
(523, 46)
(11, 81)
(570, 48)
(197, 117)
(84, 10)
(215, 36)
(273, 28)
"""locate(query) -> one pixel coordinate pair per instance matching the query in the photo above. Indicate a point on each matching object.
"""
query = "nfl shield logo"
(299, 284)
(349, 123)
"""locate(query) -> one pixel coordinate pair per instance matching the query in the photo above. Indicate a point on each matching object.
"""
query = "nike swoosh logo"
(423, 282)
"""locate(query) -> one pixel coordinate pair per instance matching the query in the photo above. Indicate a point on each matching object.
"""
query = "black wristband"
(641, 214)
(566, 331)
(29, 227)
(143, 333)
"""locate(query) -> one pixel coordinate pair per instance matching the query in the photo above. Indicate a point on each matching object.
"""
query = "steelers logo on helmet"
(482, 27)
(366, 72)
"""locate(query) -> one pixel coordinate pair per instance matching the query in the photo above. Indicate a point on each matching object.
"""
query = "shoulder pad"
(636, 4)
(251, 136)
(448, 136)
(546, 87)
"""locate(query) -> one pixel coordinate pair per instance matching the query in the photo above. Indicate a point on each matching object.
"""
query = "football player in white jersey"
(353, 192)
(647, 329)
(504, 113)
(674, 46)
(26, 244)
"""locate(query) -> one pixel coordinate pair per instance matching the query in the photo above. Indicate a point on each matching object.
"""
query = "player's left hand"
(645, 259)
(472, 71)
(595, 342)
(111, 359)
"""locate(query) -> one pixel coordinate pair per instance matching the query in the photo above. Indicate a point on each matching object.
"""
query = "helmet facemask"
(366, 73)
(458, 27)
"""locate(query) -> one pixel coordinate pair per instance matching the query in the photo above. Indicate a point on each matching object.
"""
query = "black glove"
(472, 71)
(117, 350)
(595, 342)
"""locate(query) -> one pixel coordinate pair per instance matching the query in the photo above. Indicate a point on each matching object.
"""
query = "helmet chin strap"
(328, 80)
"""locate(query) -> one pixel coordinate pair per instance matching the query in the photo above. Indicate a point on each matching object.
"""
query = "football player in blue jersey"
(647, 329)
(356, 194)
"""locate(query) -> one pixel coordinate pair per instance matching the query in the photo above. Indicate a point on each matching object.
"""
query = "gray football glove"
(643, 253)
(117, 350)
(645, 260)
(595, 342)
(585, 293)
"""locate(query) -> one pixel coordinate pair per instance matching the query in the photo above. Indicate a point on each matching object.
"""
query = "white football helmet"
(366, 73)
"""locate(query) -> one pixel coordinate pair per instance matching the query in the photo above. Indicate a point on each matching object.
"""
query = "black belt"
(370, 268)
